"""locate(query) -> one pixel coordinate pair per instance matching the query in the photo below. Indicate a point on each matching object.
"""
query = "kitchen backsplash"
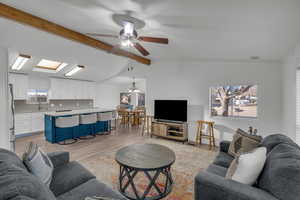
(22, 107)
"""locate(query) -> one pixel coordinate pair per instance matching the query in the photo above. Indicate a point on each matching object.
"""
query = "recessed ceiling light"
(74, 70)
(20, 62)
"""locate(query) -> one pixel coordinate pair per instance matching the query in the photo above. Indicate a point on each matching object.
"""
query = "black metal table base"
(126, 179)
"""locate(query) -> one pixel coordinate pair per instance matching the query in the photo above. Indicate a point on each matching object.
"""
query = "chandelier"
(133, 88)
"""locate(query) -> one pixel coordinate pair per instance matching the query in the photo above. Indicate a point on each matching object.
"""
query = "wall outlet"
(60, 105)
(77, 104)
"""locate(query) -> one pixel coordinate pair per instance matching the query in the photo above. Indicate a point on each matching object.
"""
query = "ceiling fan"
(128, 35)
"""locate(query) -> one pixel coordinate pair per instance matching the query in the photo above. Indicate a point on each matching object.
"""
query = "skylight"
(50, 66)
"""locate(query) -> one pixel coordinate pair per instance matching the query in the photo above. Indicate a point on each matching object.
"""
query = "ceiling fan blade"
(154, 39)
(141, 49)
(102, 35)
(116, 48)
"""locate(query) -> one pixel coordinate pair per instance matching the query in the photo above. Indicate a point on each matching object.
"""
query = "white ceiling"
(197, 29)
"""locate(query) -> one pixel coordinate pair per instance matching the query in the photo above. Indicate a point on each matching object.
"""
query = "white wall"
(4, 133)
(291, 64)
(192, 80)
(107, 95)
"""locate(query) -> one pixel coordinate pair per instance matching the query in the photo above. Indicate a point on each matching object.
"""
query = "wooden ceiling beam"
(50, 27)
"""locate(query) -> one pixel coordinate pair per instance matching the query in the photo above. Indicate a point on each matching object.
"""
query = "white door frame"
(4, 117)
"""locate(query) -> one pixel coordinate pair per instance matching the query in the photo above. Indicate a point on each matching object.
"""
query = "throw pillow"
(38, 163)
(246, 167)
(243, 142)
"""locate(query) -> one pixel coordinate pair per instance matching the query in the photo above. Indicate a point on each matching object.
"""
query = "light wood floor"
(98, 156)
(85, 148)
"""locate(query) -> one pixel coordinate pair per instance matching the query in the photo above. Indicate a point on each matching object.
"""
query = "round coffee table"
(152, 160)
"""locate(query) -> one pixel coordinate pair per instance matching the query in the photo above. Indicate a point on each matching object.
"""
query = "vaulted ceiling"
(197, 29)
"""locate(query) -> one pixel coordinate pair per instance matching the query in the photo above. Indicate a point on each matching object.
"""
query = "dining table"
(135, 115)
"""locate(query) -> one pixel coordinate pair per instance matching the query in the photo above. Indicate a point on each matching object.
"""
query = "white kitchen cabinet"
(37, 122)
(29, 123)
(78, 89)
(71, 89)
(54, 89)
(91, 90)
(20, 85)
(22, 123)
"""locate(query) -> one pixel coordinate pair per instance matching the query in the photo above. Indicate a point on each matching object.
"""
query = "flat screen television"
(170, 110)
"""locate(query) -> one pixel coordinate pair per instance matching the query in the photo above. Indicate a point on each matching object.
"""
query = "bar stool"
(146, 125)
(66, 129)
(87, 127)
(114, 119)
(104, 122)
(210, 136)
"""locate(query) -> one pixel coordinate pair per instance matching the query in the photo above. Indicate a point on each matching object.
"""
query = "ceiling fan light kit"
(128, 35)
(128, 28)
(126, 43)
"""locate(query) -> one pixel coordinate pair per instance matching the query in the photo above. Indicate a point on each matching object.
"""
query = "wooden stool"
(146, 125)
(201, 135)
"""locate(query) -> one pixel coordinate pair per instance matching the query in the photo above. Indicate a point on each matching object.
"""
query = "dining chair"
(123, 117)
(141, 112)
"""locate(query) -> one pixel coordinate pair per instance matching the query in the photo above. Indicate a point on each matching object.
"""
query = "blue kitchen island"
(62, 126)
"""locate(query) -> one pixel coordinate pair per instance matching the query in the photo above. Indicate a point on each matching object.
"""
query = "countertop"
(77, 112)
(31, 112)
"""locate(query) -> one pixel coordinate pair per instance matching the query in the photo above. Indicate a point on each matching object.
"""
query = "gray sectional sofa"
(279, 180)
(71, 181)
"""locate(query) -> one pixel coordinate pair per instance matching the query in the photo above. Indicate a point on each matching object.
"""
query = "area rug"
(190, 160)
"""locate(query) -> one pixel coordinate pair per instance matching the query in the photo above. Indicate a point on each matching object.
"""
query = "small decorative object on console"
(252, 131)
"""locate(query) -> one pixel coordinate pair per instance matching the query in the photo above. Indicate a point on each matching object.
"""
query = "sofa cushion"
(247, 167)
(243, 142)
(69, 176)
(217, 169)
(11, 158)
(223, 159)
(16, 181)
(272, 140)
(89, 189)
(281, 174)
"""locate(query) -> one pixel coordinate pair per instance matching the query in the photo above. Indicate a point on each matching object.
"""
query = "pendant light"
(133, 88)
